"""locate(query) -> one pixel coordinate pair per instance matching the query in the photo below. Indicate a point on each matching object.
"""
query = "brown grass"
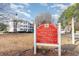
(66, 40)
(19, 43)
(16, 41)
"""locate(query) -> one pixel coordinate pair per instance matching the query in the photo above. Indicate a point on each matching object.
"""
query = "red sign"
(47, 33)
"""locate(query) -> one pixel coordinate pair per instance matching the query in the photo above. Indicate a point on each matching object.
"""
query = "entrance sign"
(47, 35)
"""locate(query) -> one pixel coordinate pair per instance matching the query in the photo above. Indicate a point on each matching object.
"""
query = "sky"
(29, 11)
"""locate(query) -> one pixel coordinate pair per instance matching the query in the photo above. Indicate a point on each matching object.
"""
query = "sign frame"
(57, 45)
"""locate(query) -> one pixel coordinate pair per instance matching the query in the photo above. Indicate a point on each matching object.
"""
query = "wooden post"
(59, 39)
(34, 38)
(73, 39)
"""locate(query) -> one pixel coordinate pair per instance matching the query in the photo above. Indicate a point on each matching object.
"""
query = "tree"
(43, 18)
(66, 16)
(3, 27)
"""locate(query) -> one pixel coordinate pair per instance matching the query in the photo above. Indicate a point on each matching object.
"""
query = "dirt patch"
(29, 52)
(69, 49)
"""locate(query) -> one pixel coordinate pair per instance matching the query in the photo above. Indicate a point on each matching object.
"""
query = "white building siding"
(10, 26)
(20, 26)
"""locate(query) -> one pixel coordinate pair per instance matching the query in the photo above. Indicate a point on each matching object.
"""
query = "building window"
(21, 29)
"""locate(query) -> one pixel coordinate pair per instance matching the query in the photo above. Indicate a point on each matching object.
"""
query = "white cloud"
(20, 6)
(58, 7)
(26, 4)
(28, 10)
(44, 4)
(14, 6)
(56, 16)
(52, 6)
(61, 6)
(20, 10)
(24, 13)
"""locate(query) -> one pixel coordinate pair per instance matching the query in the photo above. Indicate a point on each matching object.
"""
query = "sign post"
(73, 39)
(59, 39)
(34, 38)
